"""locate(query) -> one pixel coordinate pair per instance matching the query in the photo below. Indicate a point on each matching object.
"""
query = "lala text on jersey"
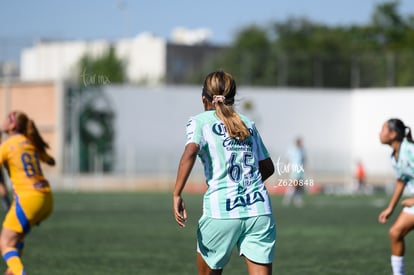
(240, 170)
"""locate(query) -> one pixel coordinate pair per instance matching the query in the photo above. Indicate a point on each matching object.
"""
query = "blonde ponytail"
(28, 128)
(220, 89)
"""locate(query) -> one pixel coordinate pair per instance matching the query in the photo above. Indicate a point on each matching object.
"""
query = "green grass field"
(135, 233)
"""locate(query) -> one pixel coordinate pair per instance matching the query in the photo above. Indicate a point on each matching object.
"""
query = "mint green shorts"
(255, 238)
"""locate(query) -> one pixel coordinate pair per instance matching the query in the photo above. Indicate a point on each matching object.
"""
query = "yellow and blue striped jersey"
(22, 161)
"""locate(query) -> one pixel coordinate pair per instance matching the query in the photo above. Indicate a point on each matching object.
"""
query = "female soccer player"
(236, 205)
(395, 134)
(21, 153)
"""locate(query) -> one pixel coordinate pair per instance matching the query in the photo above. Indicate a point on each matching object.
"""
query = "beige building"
(40, 101)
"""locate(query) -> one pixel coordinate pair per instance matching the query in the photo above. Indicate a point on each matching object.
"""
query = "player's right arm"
(386, 213)
(184, 169)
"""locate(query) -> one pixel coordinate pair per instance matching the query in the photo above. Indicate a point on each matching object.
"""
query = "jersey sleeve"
(398, 173)
(404, 179)
(194, 131)
(403, 166)
(262, 152)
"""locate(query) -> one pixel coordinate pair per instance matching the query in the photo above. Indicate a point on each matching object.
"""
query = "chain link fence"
(325, 70)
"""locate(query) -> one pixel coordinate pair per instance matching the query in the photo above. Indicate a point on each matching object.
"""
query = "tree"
(314, 54)
(102, 70)
(299, 52)
(395, 37)
(389, 26)
(247, 58)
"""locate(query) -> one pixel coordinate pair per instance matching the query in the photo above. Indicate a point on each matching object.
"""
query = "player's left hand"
(408, 202)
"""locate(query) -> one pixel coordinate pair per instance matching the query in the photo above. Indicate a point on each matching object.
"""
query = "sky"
(24, 21)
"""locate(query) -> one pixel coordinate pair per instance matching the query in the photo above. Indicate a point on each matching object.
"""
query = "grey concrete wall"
(338, 126)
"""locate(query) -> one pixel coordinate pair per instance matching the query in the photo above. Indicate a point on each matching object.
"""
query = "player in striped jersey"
(398, 136)
(236, 206)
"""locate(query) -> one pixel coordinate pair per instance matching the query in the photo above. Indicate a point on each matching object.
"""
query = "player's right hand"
(180, 213)
(384, 215)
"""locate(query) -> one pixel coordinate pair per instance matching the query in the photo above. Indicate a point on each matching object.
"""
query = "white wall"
(145, 58)
(150, 125)
(337, 126)
(144, 55)
(57, 60)
(320, 117)
(370, 109)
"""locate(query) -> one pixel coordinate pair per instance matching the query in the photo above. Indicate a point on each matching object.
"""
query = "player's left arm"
(387, 212)
(266, 168)
(45, 157)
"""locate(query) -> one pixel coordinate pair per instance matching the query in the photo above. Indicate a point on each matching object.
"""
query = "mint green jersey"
(404, 166)
(231, 167)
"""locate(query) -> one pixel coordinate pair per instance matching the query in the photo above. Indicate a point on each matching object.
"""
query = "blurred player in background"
(360, 175)
(297, 159)
(21, 153)
(4, 193)
(236, 206)
(398, 136)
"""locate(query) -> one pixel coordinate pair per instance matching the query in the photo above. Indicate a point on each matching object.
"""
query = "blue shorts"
(255, 238)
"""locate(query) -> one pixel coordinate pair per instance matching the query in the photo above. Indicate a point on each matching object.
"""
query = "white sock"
(397, 264)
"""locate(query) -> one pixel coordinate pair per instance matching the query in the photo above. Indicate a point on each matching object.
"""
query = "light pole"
(7, 69)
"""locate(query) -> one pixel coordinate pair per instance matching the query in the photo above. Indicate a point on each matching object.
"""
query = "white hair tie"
(218, 98)
(407, 130)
